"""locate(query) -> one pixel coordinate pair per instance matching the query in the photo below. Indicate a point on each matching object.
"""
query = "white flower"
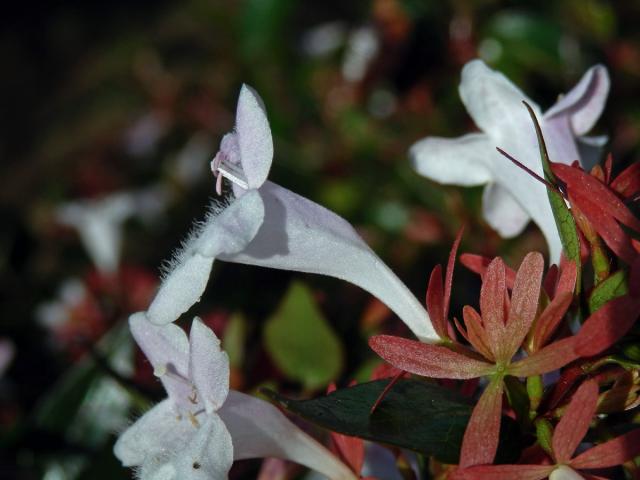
(270, 226)
(202, 427)
(511, 197)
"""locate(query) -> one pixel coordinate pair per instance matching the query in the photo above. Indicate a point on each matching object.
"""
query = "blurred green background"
(106, 97)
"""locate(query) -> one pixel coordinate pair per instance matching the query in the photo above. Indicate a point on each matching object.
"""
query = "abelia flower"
(567, 435)
(510, 200)
(202, 427)
(267, 225)
(496, 335)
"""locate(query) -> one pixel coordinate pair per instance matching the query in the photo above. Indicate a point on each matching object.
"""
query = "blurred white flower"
(270, 226)
(511, 197)
(202, 427)
(7, 352)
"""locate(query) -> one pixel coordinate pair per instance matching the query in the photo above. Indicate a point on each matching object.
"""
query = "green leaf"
(417, 415)
(614, 286)
(564, 220)
(301, 342)
(233, 342)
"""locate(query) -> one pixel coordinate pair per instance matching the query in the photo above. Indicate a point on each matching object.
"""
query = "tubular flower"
(267, 225)
(202, 427)
(495, 104)
(567, 435)
(496, 335)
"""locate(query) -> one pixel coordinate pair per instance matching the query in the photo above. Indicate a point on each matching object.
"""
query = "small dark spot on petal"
(196, 465)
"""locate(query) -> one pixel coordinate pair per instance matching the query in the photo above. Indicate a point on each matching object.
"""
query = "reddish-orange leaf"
(435, 302)
(551, 280)
(550, 319)
(478, 264)
(448, 281)
(503, 472)
(627, 183)
(524, 302)
(606, 226)
(428, 360)
(550, 358)
(492, 296)
(608, 167)
(568, 276)
(480, 441)
(574, 424)
(350, 450)
(582, 184)
(611, 453)
(608, 324)
(476, 334)
(565, 383)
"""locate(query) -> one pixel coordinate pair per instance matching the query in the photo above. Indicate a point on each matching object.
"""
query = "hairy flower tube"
(267, 225)
(202, 427)
(510, 200)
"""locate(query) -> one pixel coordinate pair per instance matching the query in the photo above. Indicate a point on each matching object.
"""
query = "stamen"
(193, 420)
(231, 172)
(165, 371)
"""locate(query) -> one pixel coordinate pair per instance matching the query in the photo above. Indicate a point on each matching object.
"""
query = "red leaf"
(550, 319)
(476, 334)
(551, 357)
(567, 380)
(503, 472)
(574, 424)
(608, 167)
(435, 302)
(608, 324)
(611, 453)
(568, 276)
(492, 296)
(551, 280)
(480, 441)
(448, 281)
(583, 185)
(478, 264)
(524, 302)
(627, 183)
(350, 450)
(428, 360)
(607, 227)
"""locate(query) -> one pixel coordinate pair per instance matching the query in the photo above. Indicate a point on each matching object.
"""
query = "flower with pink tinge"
(267, 225)
(510, 197)
(203, 426)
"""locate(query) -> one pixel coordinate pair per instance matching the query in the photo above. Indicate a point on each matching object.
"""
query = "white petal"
(208, 366)
(585, 102)
(99, 224)
(180, 289)
(258, 429)
(229, 231)
(155, 435)
(300, 235)
(502, 211)
(254, 137)
(457, 161)
(591, 150)
(167, 349)
(494, 103)
(565, 473)
(209, 453)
